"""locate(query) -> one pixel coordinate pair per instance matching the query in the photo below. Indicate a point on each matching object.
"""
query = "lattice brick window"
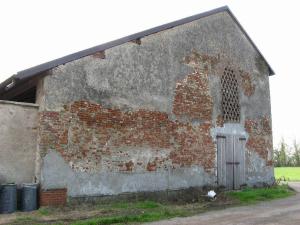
(230, 96)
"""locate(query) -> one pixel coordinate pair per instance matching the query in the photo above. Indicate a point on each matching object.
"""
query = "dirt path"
(278, 212)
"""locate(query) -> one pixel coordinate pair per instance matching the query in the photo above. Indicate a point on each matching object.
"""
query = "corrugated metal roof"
(36, 70)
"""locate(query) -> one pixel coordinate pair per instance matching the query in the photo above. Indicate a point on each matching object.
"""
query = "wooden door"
(239, 161)
(231, 161)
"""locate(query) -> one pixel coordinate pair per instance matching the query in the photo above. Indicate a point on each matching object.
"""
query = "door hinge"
(233, 163)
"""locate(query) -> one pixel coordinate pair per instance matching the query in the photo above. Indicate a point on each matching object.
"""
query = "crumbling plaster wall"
(147, 113)
(18, 141)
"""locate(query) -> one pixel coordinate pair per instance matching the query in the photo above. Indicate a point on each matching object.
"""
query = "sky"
(35, 31)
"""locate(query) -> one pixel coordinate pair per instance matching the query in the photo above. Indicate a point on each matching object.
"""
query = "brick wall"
(260, 137)
(192, 99)
(53, 197)
(92, 138)
(246, 83)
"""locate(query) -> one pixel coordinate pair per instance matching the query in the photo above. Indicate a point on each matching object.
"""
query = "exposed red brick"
(196, 147)
(129, 166)
(99, 55)
(220, 121)
(247, 84)
(137, 41)
(260, 137)
(266, 126)
(53, 197)
(91, 137)
(88, 132)
(202, 61)
(269, 163)
(192, 98)
(151, 166)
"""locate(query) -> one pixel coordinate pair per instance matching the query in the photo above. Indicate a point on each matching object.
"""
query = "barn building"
(185, 104)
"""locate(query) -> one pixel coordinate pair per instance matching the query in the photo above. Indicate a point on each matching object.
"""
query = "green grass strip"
(252, 195)
(145, 217)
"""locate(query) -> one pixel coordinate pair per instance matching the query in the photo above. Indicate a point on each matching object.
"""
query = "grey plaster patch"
(138, 156)
(144, 76)
(256, 169)
(57, 174)
(229, 129)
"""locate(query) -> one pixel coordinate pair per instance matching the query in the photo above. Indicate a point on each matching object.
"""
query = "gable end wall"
(145, 117)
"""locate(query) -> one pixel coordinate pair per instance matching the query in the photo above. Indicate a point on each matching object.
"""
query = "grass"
(289, 173)
(143, 217)
(137, 212)
(24, 219)
(251, 195)
(43, 211)
(137, 205)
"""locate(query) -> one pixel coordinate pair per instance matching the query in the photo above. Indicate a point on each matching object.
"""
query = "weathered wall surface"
(145, 116)
(18, 141)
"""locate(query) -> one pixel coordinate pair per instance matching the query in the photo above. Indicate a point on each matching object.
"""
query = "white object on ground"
(211, 194)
